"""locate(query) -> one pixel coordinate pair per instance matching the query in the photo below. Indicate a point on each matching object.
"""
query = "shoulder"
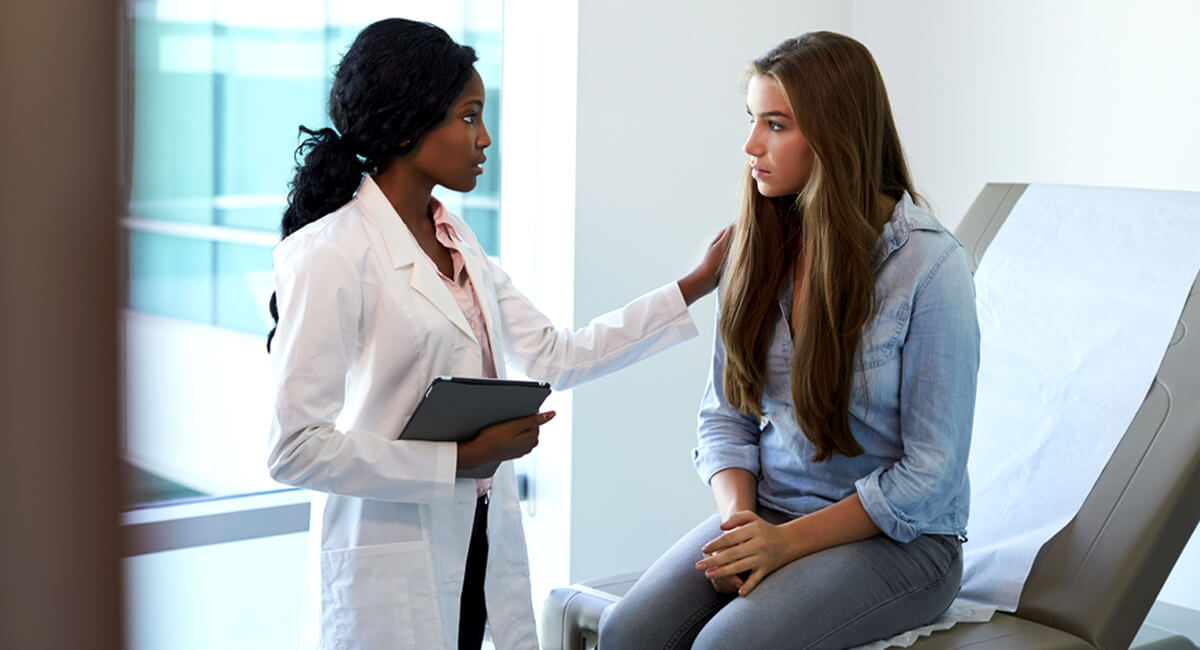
(922, 251)
(927, 243)
(926, 233)
(336, 239)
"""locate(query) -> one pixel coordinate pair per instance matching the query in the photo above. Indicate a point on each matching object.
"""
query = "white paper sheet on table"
(959, 611)
(1078, 296)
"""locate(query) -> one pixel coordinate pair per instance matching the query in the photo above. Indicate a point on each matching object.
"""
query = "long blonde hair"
(839, 103)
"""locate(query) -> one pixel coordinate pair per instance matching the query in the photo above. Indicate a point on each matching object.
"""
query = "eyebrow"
(477, 102)
(770, 114)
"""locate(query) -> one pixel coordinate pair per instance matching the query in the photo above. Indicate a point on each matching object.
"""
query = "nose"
(484, 140)
(754, 142)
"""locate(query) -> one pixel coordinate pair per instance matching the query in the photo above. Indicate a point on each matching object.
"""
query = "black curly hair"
(395, 83)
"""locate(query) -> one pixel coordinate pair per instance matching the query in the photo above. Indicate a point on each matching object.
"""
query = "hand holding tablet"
(456, 409)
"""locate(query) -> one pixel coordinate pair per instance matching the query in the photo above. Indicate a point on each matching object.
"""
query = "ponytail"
(326, 178)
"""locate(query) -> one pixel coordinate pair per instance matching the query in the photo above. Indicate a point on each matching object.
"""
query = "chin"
(767, 191)
(464, 186)
(774, 191)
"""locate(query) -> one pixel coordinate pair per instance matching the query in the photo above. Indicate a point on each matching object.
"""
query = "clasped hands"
(750, 543)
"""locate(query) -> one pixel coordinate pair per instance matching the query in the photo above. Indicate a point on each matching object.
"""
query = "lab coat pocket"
(376, 597)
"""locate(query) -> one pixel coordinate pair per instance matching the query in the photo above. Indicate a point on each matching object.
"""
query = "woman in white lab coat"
(379, 289)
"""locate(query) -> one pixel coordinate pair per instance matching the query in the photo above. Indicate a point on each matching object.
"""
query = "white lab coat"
(365, 323)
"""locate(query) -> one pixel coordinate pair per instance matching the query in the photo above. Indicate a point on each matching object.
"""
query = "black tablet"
(454, 409)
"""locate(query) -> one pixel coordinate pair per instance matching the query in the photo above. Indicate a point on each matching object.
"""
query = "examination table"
(1093, 583)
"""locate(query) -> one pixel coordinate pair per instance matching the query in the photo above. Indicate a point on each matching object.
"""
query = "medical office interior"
(618, 128)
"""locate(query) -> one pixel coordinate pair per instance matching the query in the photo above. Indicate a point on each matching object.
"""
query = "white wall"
(1079, 92)
(537, 226)
(241, 595)
(661, 122)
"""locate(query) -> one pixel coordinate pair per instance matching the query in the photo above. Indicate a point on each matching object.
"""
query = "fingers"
(729, 555)
(533, 421)
(735, 536)
(515, 438)
(739, 518)
(721, 235)
(725, 541)
(725, 233)
(526, 440)
(752, 581)
(727, 585)
(733, 568)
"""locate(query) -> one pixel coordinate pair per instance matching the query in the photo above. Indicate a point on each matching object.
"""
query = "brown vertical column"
(59, 565)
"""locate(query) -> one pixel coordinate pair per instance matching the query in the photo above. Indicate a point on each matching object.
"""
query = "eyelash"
(771, 124)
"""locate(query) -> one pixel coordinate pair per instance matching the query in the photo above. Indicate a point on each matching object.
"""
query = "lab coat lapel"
(473, 259)
(404, 251)
(425, 281)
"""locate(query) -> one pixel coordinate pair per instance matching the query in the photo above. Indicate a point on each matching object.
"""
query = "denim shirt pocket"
(882, 336)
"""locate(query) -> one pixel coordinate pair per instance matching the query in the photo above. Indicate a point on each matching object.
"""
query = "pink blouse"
(463, 290)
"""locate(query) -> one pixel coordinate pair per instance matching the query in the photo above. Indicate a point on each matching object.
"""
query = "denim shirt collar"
(906, 217)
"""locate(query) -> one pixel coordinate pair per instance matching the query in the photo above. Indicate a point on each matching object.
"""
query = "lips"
(759, 172)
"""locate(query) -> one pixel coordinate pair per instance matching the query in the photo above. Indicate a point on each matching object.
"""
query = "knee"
(717, 637)
(621, 626)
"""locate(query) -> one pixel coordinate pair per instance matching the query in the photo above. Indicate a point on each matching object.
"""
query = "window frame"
(216, 520)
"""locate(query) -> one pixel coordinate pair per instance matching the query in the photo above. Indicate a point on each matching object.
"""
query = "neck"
(408, 194)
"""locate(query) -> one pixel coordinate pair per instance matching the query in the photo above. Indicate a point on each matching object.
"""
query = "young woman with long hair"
(836, 423)
(379, 289)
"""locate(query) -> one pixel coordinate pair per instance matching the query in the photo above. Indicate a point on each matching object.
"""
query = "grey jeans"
(838, 598)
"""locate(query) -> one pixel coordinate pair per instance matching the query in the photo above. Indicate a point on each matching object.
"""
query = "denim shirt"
(912, 402)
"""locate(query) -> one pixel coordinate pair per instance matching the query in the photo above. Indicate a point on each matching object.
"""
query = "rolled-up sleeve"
(727, 437)
(940, 363)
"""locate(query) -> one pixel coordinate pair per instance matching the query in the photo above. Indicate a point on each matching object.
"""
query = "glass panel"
(485, 223)
(272, 81)
(173, 116)
(244, 285)
(171, 276)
